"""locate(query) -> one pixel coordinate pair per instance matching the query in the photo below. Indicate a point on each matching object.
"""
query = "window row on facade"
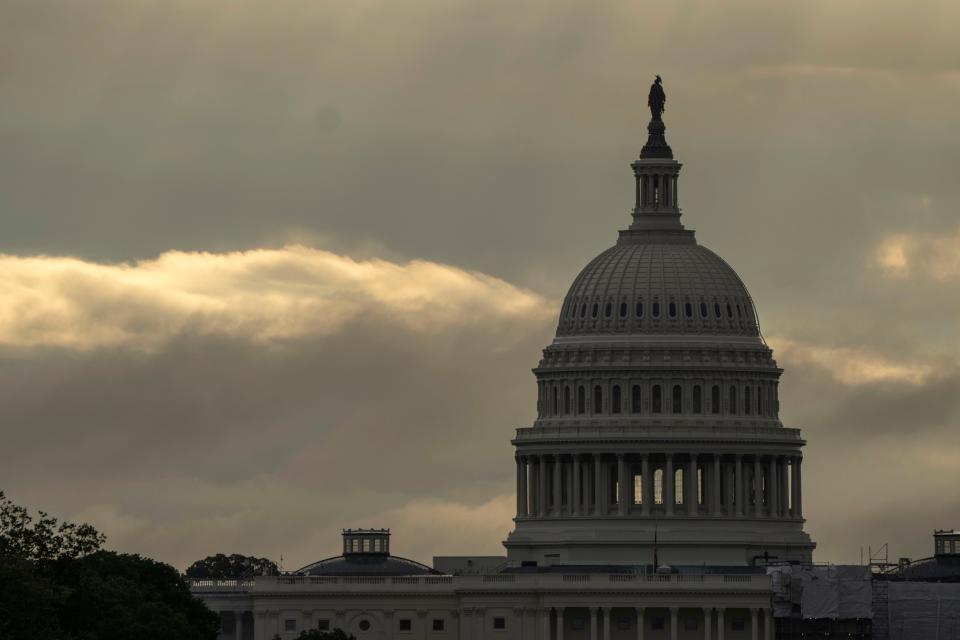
(586, 309)
(606, 398)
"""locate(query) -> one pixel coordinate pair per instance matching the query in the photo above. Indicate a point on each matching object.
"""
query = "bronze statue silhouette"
(657, 99)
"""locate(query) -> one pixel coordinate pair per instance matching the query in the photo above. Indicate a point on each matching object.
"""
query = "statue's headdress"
(659, 79)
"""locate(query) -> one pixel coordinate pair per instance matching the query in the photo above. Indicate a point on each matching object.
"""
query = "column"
(799, 476)
(757, 487)
(673, 623)
(692, 502)
(721, 631)
(559, 611)
(784, 488)
(646, 485)
(575, 496)
(715, 487)
(772, 487)
(521, 487)
(707, 623)
(542, 486)
(622, 488)
(238, 618)
(606, 623)
(754, 631)
(593, 623)
(597, 485)
(793, 487)
(557, 485)
(738, 485)
(545, 630)
(668, 485)
(769, 624)
(640, 623)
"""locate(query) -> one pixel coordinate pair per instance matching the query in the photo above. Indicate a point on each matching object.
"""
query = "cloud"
(263, 295)
(852, 366)
(936, 256)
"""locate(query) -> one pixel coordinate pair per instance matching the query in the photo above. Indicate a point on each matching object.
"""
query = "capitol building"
(654, 491)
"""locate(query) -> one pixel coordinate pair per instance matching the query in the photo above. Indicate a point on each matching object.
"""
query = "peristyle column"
(640, 623)
(757, 487)
(621, 485)
(557, 485)
(646, 484)
(575, 498)
(738, 485)
(542, 487)
(593, 623)
(715, 487)
(673, 623)
(597, 485)
(692, 501)
(521, 487)
(668, 485)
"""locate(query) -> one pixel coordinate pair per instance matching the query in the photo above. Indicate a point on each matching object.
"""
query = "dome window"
(566, 401)
(639, 309)
(746, 401)
(581, 400)
(555, 400)
(688, 310)
(635, 399)
(608, 310)
(703, 309)
(716, 310)
(583, 310)
(657, 399)
(739, 311)
(697, 399)
(623, 309)
(729, 311)
(598, 399)
(677, 399)
(715, 400)
(595, 311)
(615, 400)
(656, 309)
(733, 399)
(673, 309)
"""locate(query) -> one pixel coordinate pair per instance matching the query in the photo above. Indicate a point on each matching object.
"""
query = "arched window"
(715, 399)
(598, 399)
(583, 310)
(677, 399)
(657, 399)
(595, 310)
(554, 400)
(656, 309)
(581, 400)
(688, 310)
(746, 400)
(733, 399)
(729, 311)
(637, 489)
(739, 311)
(716, 309)
(608, 310)
(639, 309)
(678, 486)
(623, 309)
(703, 309)
(697, 399)
(760, 403)
(566, 400)
(635, 399)
(615, 400)
(658, 486)
(673, 309)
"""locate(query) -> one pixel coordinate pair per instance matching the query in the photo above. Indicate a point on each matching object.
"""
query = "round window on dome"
(364, 625)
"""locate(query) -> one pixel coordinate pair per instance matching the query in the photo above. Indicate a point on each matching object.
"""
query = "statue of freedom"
(657, 99)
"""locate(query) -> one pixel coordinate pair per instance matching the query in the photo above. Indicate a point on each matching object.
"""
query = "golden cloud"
(264, 295)
(852, 366)
(935, 256)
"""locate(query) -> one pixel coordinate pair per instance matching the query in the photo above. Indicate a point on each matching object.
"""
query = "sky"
(272, 269)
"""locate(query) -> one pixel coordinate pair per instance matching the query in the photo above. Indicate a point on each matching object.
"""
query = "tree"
(56, 583)
(222, 566)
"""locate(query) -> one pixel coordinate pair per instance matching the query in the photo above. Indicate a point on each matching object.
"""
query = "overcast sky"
(271, 269)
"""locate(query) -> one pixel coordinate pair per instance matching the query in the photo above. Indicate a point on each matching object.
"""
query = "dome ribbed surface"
(658, 288)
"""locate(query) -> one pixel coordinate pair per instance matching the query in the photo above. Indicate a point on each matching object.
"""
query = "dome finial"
(656, 146)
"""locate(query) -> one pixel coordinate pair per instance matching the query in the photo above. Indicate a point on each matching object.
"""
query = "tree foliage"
(56, 583)
(223, 566)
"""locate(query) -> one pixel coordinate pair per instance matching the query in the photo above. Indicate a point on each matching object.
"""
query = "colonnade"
(657, 190)
(660, 484)
(712, 618)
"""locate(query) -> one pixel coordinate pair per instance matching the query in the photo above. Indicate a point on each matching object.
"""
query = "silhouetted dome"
(647, 285)
(366, 564)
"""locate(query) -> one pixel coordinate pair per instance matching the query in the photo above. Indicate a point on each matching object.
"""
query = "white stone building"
(653, 486)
